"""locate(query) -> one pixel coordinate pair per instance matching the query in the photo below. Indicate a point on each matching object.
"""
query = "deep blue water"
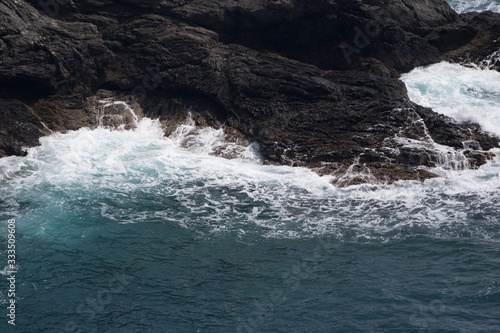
(129, 231)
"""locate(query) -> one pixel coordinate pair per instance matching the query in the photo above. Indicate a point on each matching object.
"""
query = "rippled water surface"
(129, 231)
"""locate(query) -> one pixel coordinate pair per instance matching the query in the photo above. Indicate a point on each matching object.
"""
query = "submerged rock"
(315, 83)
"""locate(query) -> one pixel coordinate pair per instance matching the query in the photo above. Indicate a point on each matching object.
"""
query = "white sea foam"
(465, 94)
(138, 176)
(209, 141)
(462, 6)
(141, 176)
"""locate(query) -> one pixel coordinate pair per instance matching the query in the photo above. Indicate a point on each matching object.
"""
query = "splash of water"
(463, 6)
(465, 94)
(140, 176)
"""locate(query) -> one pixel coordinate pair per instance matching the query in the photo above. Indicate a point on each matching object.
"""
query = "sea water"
(464, 93)
(462, 6)
(132, 231)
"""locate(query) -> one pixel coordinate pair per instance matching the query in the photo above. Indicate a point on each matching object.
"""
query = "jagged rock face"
(18, 128)
(394, 31)
(484, 48)
(43, 56)
(312, 31)
(313, 82)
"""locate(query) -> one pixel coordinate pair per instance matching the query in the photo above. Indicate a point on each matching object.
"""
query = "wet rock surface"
(483, 49)
(18, 128)
(314, 83)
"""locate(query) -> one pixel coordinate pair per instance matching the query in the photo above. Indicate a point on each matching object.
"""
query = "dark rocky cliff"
(315, 83)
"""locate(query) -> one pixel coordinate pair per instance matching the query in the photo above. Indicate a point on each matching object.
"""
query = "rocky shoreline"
(314, 83)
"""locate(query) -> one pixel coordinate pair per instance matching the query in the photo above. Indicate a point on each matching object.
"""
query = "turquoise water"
(129, 231)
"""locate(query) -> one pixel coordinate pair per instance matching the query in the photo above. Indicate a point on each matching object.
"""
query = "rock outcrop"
(315, 83)
(484, 48)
